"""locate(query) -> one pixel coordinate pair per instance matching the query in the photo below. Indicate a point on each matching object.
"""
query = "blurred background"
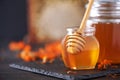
(13, 20)
(43, 20)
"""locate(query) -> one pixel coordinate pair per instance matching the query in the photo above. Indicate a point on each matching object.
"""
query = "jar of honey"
(105, 16)
(85, 59)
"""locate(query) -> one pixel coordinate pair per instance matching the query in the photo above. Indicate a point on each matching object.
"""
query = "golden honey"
(85, 59)
(105, 16)
(108, 35)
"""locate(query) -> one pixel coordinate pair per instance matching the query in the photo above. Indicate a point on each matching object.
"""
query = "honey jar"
(105, 16)
(85, 59)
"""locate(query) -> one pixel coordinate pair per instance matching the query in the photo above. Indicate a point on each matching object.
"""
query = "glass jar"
(105, 16)
(85, 59)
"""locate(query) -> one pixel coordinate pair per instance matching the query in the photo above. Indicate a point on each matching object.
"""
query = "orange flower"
(27, 48)
(28, 56)
(16, 45)
(104, 64)
(47, 54)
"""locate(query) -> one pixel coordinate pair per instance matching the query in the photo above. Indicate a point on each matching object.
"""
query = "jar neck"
(88, 31)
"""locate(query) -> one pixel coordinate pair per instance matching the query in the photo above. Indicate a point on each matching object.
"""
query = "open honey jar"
(105, 16)
(85, 59)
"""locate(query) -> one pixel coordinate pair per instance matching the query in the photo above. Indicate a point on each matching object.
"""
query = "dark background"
(13, 20)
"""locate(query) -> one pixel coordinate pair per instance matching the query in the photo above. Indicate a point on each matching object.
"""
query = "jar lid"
(106, 11)
(107, 1)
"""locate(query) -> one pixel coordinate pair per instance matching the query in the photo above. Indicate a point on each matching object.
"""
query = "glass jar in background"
(86, 59)
(105, 16)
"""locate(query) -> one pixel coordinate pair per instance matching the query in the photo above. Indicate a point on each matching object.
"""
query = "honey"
(108, 35)
(105, 16)
(85, 59)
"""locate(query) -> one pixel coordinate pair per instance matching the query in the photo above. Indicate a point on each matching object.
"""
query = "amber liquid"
(108, 36)
(86, 59)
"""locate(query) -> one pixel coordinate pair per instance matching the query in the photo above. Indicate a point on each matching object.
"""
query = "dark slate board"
(58, 70)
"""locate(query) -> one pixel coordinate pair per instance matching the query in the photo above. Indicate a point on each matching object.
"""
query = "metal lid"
(106, 11)
(112, 1)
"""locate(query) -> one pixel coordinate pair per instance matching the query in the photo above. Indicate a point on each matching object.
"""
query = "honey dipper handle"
(86, 15)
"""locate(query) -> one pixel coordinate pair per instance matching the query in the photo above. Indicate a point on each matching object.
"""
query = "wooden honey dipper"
(76, 42)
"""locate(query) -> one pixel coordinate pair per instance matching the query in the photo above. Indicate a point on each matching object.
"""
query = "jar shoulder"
(92, 42)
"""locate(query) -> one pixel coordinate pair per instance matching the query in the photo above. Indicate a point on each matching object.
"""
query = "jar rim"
(107, 1)
(89, 30)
